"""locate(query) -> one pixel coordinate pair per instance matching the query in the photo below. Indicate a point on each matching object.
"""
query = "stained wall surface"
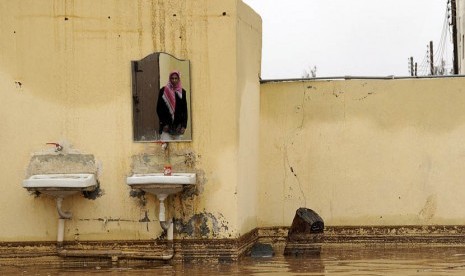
(359, 152)
(363, 152)
(65, 76)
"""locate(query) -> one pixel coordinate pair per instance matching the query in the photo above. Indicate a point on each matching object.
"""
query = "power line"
(436, 62)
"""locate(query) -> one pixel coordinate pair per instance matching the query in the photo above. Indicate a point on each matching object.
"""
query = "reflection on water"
(332, 261)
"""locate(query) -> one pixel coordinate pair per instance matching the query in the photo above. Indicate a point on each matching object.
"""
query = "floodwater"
(334, 261)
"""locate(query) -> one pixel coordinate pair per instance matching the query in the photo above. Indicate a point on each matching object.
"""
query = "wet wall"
(363, 152)
(65, 76)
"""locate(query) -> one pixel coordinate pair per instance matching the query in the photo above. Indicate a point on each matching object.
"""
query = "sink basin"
(160, 184)
(60, 185)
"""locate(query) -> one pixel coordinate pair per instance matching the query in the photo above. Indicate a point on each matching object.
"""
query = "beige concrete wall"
(65, 76)
(248, 107)
(363, 152)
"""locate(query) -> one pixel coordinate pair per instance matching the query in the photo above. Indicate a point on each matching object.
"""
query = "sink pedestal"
(161, 198)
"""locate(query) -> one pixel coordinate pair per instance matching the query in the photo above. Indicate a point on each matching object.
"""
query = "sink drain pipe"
(113, 254)
(61, 221)
(117, 254)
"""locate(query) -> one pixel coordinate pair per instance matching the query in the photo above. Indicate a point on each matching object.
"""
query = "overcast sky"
(350, 37)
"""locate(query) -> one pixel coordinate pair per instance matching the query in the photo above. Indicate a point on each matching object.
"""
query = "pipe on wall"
(63, 215)
(167, 226)
(116, 254)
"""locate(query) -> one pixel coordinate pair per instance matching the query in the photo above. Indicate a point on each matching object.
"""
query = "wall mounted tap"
(164, 145)
(58, 147)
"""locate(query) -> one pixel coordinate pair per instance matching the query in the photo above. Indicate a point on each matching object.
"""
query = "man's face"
(174, 79)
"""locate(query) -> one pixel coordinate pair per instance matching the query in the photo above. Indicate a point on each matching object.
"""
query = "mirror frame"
(145, 90)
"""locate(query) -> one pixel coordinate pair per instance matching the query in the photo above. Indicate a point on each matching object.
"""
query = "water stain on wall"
(136, 193)
(202, 225)
(98, 192)
(429, 210)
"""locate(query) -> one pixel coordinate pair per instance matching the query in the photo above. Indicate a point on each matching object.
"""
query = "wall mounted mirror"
(161, 93)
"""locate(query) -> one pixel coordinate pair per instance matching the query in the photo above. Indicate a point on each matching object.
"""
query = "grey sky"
(349, 37)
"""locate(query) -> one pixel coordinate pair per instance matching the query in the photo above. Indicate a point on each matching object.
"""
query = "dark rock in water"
(305, 233)
(261, 250)
(306, 221)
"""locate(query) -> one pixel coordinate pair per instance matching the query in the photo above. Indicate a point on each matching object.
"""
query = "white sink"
(60, 185)
(160, 184)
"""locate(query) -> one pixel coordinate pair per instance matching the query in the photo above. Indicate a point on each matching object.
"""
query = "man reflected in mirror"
(172, 109)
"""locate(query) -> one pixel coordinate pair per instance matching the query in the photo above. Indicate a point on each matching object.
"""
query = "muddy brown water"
(334, 261)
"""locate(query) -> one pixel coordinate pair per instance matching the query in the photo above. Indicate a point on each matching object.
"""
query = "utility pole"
(411, 67)
(415, 70)
(431, 59)
(453, 7)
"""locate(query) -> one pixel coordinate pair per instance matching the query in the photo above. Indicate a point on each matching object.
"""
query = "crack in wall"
(364, 97)
(287, 164)
(286, 161)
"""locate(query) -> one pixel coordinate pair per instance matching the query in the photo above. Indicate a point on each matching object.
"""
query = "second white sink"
(160, 184)
(160, 178)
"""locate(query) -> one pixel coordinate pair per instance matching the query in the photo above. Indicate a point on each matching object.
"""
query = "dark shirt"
(180, 113)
